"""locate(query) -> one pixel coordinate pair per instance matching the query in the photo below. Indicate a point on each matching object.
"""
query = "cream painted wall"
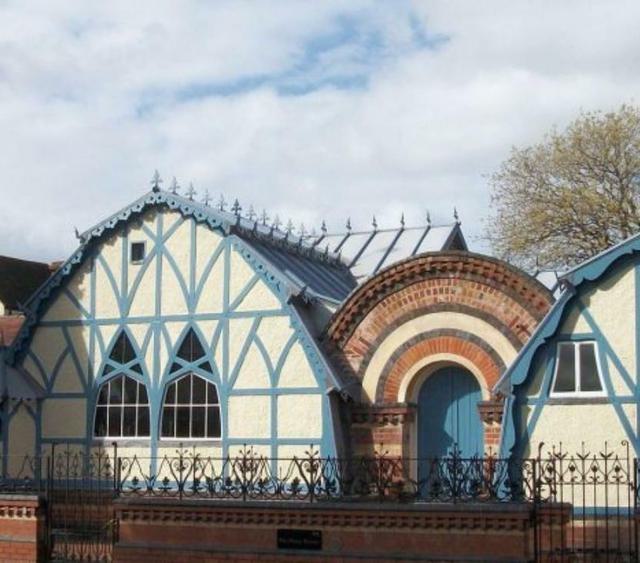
(433, 321)
(567, 425)
(249, 415)
(22, 442)
(64, 418)
(300, 416)
(611, 304)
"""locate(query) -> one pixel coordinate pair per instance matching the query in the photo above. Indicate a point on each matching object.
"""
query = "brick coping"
(432, 507)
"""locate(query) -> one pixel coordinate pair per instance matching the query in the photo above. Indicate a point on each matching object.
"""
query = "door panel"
(448, 414)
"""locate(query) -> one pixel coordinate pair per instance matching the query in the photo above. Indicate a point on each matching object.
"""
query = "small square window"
(137, 252)
(577, 371)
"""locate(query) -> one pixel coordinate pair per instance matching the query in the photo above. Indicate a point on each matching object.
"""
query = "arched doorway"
(448, 415)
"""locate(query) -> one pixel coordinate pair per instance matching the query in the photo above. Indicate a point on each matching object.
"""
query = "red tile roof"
(9, 328)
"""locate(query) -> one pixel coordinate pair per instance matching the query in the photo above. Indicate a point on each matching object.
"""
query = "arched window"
(122, 407)
(191, 409)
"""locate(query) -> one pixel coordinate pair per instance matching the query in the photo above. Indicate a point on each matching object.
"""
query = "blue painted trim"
(224, 375)
(594, 268)
(636, 280)
(514, 440)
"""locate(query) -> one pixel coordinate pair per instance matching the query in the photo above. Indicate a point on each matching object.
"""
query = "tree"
(575, 194)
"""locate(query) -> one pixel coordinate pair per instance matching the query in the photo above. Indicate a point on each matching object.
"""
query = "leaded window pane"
(130, 391)
(171, 394)
(182, 422)
(191, 348)
(168, 419)
(143, 422)
(100, 424)
(589, 379)
(143, 399)
(115, 421)
(199, 395)
(115, 390)
(129, 421)
(196, 413)
(123, 351)
(122, 409)
(566, 369)
(197, 422)
(103, 396)
(213, 422)
(184, 390)
(212, 394)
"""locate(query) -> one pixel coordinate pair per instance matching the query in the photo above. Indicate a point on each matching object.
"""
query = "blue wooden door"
(448, 414)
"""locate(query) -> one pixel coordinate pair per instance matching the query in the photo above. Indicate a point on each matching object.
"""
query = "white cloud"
(94, 96)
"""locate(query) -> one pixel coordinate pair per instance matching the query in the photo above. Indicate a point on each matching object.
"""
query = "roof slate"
(368, 252)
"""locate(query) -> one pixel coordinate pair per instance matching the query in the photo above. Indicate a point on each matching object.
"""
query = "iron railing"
(584, 504)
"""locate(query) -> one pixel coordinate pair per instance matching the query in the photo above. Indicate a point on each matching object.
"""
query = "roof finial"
(221, 203)
(236, 208)
(302, 231)
(264, 218)
(174, 187)
(348, 224)
(428, 218)
(374, 223)
(326, 251)
(277, 222)
(289, 228)
(251, 213)
(456, 216)
(402, 220)
(191, 191)
(156, 181)
(206, 199)
(77, 233)
(323, 227)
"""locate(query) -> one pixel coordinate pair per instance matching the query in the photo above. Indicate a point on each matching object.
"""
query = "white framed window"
(122, 409)
(137, 252)
(577, 372)
(191, 409)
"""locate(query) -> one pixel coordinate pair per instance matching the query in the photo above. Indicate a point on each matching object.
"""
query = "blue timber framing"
(156, 336)
(541, 349)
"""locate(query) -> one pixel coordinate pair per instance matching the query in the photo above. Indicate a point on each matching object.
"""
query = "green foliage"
(575, 194)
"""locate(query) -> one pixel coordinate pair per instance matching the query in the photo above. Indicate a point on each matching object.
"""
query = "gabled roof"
(589, 270)
(296, 268)
(595, 266)
(368, 252)
(19, 279)
(305, 268)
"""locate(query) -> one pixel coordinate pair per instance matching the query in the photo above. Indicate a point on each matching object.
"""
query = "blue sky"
(314, 110)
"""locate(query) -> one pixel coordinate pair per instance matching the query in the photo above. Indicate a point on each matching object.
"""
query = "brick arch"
(454, 342)
(497, 276)
(508, 299)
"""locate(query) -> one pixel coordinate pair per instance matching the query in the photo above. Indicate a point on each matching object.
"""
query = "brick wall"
(22, 526)
(159, 531)
(479, 287)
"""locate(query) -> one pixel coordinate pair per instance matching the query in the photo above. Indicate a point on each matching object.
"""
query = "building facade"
(574, 387)
(179, 325)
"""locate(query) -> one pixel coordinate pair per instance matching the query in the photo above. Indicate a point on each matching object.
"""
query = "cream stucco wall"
(22, 442)
(275, 354)
(574, 426)
(609, 318)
